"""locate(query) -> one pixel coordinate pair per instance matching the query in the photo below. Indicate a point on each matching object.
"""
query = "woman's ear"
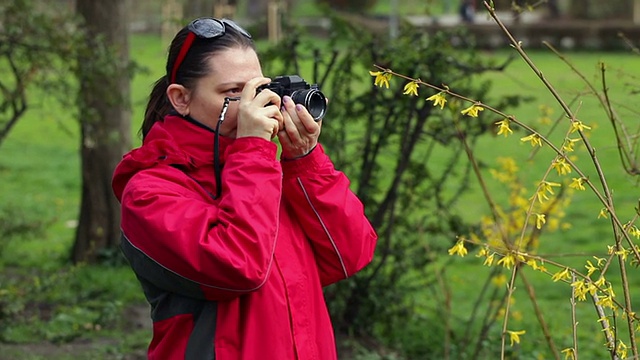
(179, 96)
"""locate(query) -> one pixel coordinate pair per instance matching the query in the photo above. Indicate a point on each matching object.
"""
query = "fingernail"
(299, 107)
(286, 98)
(281, 108)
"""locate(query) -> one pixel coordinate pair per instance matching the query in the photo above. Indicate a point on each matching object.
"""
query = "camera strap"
(216, 146)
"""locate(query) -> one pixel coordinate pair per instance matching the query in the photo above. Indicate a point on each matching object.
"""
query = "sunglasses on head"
(206, 28)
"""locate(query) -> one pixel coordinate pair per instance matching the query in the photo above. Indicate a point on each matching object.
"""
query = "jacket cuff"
(263, 148)
(308, 164)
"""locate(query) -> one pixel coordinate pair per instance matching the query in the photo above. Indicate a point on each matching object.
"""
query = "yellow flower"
(459, 249)
(483, 252)
(548, 186)
(561, 166)
(534, 265)
(590, 268)
(629, 315)
(622, 253)
(438, 99)
(577, 125)
(610, 291)
(568, 145)
(577, 183)
(544, 188)
(580, 290)
(382, 78)
(561, 275)
(600, 261)
(503, 127)
(411, 88)
(540, 220)
(472, 110)
(603, 213)
(608, 332)
(621, 350)
(507, 261)
(533, 138)
(545, 112)
(514, 336)
(634, 231)
(489, 260)
(569, 354)
(499, 280)
(508, 164)
(606, 301)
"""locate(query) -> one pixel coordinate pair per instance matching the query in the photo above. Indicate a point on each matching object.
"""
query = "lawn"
(39, 167)
(622, 68)
(585, 235)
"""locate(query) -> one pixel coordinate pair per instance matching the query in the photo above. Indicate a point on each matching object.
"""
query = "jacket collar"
(191, 137)
(175, 141)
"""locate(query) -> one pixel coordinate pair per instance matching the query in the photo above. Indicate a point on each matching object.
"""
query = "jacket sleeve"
(330, 214)
(177, 238)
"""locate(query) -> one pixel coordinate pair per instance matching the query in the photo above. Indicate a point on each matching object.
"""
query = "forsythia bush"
(507, 238)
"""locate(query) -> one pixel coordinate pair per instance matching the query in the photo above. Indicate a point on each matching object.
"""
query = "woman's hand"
(300, 132)
(258, 114)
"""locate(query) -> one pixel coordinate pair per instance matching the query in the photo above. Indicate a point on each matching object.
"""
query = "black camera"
(302, 93)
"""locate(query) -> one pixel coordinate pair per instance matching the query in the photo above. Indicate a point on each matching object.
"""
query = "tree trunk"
(257, 10)
(105, 124)
(172, 20)
(197, 8)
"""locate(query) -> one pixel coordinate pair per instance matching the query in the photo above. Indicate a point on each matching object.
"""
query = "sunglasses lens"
(207, 28)
(236, 27)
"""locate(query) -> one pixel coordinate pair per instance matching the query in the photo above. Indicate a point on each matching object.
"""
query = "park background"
(63, 301)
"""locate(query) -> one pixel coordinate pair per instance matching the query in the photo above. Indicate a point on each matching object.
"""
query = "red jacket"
(240, 277)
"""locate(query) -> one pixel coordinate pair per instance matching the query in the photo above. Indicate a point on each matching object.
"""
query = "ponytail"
(157, 107)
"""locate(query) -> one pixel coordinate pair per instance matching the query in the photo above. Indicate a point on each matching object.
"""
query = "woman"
(231, 245)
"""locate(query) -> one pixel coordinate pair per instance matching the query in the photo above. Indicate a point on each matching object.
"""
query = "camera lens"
(313, 100)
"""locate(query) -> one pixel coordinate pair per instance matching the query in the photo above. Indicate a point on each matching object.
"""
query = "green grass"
(39, 168)
(308, 8)
(519, 78)
(588, 236)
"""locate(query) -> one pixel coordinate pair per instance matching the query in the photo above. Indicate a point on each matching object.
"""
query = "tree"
(104, 113)
(197, 8)
(33, 46)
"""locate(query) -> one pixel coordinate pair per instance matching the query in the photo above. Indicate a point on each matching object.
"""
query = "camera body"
(301, 92)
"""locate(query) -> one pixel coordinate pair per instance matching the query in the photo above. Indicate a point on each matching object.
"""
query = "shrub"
(404, 158)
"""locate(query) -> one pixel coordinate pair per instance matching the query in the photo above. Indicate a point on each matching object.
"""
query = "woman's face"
(229, 71)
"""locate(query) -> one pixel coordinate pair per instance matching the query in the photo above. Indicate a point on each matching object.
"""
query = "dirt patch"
(135, 318)
(75, 350)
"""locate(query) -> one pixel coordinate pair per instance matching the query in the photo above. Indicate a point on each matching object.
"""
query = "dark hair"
(193, 67)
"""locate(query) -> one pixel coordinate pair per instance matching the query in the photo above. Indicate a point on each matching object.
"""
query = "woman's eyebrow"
(232, 84)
